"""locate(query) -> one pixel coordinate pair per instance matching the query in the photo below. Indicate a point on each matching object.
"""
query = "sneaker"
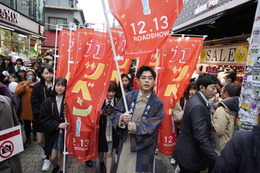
(173, 161)
(56, 169)
(102, 168)
(46, 165)
(43, 154)
(177, 170)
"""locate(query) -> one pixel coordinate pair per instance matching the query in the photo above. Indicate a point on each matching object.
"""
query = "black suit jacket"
(193, 149)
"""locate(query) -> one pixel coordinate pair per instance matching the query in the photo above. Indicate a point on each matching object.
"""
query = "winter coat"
(102, 142)
(26, 112)
(241, 154)
(39, 93)
(223, 119)
(194, 149)
(50, 120)
(144, 142)
(9, 119)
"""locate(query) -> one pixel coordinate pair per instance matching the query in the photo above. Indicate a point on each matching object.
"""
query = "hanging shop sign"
(229, 55)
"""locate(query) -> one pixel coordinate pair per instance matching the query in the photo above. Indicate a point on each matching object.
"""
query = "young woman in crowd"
(41, 91)
(53, 122)
(126, 85)
(18, 64)
(108, 139)
(7, 65)
(24, 90)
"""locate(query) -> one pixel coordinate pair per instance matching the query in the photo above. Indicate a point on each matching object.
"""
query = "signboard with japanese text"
(11, 142)
(148, 25)
(178, 59)
(90, 70)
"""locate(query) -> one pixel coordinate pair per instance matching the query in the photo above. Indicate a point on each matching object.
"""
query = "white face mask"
(223, 82)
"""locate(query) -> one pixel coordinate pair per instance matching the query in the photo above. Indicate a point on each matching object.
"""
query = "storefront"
(218, 59)
(20, 36)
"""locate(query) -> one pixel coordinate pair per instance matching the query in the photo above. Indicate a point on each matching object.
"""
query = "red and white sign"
(11, 142)
(146, 23)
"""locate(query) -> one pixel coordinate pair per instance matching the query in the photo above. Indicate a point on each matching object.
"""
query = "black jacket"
(241, 154)
(39, 93)
(193, 149)
(102, 144)
(50, 120)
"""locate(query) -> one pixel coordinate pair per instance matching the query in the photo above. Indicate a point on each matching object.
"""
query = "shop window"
(33, 9)
(54, 21)
(9, 3)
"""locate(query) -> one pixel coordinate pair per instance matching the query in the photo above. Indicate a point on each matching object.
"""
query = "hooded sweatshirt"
(224, 118)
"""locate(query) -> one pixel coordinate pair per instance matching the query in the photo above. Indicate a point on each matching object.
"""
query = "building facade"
(61, 12)
(21, 27)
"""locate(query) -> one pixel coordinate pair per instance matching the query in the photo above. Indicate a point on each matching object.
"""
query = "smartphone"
(29, 77)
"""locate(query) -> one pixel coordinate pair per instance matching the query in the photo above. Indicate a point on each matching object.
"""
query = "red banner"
(178, 58)
(65, 51)
(146, 23)
(90, 68)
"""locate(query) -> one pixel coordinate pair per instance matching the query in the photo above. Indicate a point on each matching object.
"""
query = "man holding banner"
(138, 128)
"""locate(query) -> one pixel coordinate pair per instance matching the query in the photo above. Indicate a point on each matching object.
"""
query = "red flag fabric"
(146, 23)
(65, 50)
(179, 57)
(90, 72)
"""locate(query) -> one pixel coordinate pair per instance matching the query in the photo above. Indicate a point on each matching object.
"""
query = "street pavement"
(32, 163)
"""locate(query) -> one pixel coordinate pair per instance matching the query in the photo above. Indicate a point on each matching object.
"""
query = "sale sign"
(146, 23)
(90, 68)
(178, 58)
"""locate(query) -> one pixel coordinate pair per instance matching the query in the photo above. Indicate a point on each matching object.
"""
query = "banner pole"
(115, 55)
(64, 149)
(55, 52)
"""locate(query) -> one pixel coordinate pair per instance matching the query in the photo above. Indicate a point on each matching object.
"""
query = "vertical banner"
(125, 61)
(146, 23)
(64, 50)
(178, 58)
(90, 73)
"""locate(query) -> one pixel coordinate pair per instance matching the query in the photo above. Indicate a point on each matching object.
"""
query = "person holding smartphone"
(24, 90)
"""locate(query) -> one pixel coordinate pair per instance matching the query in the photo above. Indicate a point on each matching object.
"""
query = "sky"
(93, 11)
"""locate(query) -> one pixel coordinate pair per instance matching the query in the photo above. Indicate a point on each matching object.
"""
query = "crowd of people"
(205, 118)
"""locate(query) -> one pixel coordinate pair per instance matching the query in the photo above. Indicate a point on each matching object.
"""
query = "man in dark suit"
(194, 151)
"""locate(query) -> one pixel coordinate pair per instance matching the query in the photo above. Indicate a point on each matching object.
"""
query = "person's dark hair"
(34, 74)
(10, 65)
(231, 75)
(59, 81)
(19, 59)
(145, 68)
(232, 89)
(206, 79)
(112, 86)
(48, 67)
(128, 87)
(191, 85)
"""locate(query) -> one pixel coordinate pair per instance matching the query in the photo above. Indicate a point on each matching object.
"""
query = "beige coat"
(223, 121)
(8, 119)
